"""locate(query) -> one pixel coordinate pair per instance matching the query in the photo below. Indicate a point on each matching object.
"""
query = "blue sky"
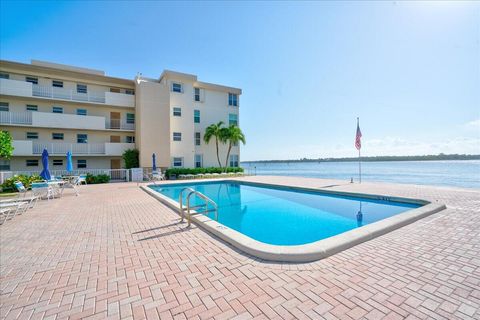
(410, 71)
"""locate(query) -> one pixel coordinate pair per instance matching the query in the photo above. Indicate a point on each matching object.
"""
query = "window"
(197, 138)
(31, 163)
(130, 118)
(32, 135)
(4, 76)
(178, 162)
(81, 164)
(198, 161)
(196, 94)
(81, 88)
(82, 112)
(177, 136)
(4, 165)
(196, 116)
(177, 87)
(233, 119)
(233, 99)
(58, 162)
(32, 107)
(57, 84)
(115, 90)
(57, 136)
(129, 91)
(33, 80)
(234, 160)
(57, 109)
(82, 138)
(130, 139)
(177, 112)
(4, 106)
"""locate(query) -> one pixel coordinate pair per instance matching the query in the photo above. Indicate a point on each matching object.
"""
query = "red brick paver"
(116, 252)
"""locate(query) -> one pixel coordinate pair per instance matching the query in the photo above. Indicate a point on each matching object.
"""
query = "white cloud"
(475, 124)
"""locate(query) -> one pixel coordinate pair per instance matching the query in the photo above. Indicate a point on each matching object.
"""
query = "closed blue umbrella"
(154, 165)
(45, 174)
(69, 162)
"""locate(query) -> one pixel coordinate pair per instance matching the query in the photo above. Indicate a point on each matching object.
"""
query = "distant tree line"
(431, 157)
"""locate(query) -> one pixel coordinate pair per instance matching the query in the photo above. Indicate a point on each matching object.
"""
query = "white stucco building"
(63, 108)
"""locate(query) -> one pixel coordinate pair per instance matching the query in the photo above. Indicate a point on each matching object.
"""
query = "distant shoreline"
(379, 158)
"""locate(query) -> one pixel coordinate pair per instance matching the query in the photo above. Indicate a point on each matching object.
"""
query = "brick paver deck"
(116, 252)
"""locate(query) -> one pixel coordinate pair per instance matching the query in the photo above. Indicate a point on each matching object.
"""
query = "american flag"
(358, 142)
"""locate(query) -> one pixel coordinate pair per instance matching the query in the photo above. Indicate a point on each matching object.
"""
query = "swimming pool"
(282, 216)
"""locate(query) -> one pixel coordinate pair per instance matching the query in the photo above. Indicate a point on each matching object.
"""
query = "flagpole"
(359, 162)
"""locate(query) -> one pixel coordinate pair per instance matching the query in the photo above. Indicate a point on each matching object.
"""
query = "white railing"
(115, 174)
(7, 117)
(119, 124)
(67, 94)
(62, 148)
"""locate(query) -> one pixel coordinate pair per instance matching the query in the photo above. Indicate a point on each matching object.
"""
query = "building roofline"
(66, 67)
(65, 70)
(217, 87)
(176, 74)
(201, 84)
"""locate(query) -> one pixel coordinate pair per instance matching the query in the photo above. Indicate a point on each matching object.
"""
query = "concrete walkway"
(116, 252)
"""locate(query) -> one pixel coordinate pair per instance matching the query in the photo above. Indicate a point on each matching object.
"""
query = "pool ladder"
(189, 208)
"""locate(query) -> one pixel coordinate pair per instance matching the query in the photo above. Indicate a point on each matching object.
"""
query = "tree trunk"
(218, 157)
(228, 155)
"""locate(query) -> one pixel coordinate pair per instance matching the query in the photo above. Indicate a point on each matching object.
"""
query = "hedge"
(8, 184)
(101, 178)
(178, 171)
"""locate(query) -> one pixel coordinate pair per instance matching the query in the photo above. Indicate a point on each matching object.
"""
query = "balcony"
(119, 125)
(29, 148)
(62, 120)
(27, 89)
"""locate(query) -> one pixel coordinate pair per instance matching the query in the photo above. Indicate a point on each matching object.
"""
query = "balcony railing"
(62, 148)
(63, 120)
(119, 124)
(67, 94)
(27, 89)
(30, 148)
(15, 117)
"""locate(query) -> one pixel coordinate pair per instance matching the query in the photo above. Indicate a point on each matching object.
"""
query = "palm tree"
(215, 130)
(233, 134)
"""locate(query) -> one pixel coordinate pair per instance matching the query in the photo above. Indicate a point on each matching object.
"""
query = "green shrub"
(101, 178)
(178, 171)
(26, 180)
(130, 157)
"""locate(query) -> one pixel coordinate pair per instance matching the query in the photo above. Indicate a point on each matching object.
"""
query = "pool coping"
(312, 251)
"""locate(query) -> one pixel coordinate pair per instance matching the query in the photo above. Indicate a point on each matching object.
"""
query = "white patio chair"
(14, 208)
(22, 194)
(156, 175)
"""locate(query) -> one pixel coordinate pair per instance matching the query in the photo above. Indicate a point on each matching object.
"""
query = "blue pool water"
(286, 216)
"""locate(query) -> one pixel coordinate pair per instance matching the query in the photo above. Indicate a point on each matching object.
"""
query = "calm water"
(464, 174)
(286, 217)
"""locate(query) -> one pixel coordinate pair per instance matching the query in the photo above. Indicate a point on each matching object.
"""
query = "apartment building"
(96, 117)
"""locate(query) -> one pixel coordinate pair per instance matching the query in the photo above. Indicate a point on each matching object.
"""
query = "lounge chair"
(43, 189)
(157, 175)
(72, 184)
(22, 194)
(10, 208)
(83, 179)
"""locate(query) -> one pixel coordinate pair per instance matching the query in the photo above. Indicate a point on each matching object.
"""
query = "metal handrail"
(200, 195)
